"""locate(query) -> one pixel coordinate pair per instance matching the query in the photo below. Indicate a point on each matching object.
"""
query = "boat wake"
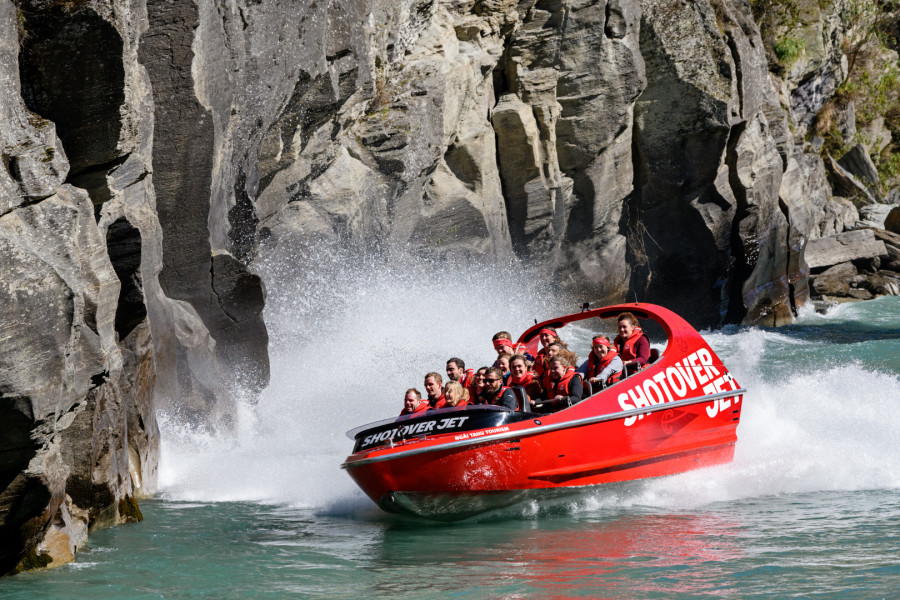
(348, 336)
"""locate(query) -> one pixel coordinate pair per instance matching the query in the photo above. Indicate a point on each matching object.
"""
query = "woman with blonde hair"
(455, 394)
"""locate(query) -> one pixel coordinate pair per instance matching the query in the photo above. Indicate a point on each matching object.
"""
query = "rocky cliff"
(153, 151)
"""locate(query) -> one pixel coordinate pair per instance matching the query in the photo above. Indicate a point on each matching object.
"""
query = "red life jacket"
(561, 387)
(546, 382)
(539, 365)
(626, 347)
(439, 403)
(467, 378)
(596, 365)
(496, 400)
(473, 397)
(422, 407)
(527, 378)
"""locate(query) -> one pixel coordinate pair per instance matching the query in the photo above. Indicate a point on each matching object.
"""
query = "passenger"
(503, 344)
(413, 403)
(548, 336)
(503, 347)
(603, 366)
(477, 386)
(494, 391)
(566, 389)
(521, 376)
(632, 344)
(503, 364)
(433, 382)
(455, 394)
(456, 371)
(552, 350)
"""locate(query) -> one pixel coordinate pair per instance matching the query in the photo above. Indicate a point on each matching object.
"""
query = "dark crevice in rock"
(183, 142)
(738, 74)
(462, 165)
(11, 164)
(123, 244)
(16, 445)
(243, 220)
(616, 26)
(72, 74)
(580, 224)
(635, 255)
(99, 379)
(23, 518)
(744, 252)
(93, 180)
(788, 255)
(240, 297)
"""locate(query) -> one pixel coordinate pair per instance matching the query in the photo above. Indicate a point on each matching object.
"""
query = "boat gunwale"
(540, 429)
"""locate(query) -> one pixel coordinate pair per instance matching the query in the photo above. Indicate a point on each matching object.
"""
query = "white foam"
(347, 338)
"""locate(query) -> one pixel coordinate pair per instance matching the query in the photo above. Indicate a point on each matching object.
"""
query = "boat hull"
(456, 483)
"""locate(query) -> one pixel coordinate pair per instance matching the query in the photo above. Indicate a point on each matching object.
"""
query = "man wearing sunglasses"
(494, 391)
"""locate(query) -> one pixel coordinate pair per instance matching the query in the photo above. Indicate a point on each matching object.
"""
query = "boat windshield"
(431, 413)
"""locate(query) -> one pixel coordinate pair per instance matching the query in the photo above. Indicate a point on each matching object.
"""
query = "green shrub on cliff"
(788, 50)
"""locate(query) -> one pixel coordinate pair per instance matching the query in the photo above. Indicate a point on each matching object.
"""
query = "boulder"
(838, 215)
(887, 283)
(847, 185)
(844, 247)
(834, 281)
(874, 215)
(858, 163)
(846, 270)
(827, 285)
(860, 294)
(892, 220)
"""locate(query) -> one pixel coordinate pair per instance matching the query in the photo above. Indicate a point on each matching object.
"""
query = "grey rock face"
(188, 139)
(712, 152)
(64, 436)
(70, 381)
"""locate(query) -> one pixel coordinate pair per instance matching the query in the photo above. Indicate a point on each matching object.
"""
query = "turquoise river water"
(810, 507)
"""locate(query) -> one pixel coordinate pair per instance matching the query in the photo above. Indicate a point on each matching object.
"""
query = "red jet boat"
(679, 413)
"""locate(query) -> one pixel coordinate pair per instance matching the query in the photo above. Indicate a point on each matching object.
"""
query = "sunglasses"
(491, 380)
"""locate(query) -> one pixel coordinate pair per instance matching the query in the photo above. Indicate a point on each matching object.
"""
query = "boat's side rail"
(540, 428)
